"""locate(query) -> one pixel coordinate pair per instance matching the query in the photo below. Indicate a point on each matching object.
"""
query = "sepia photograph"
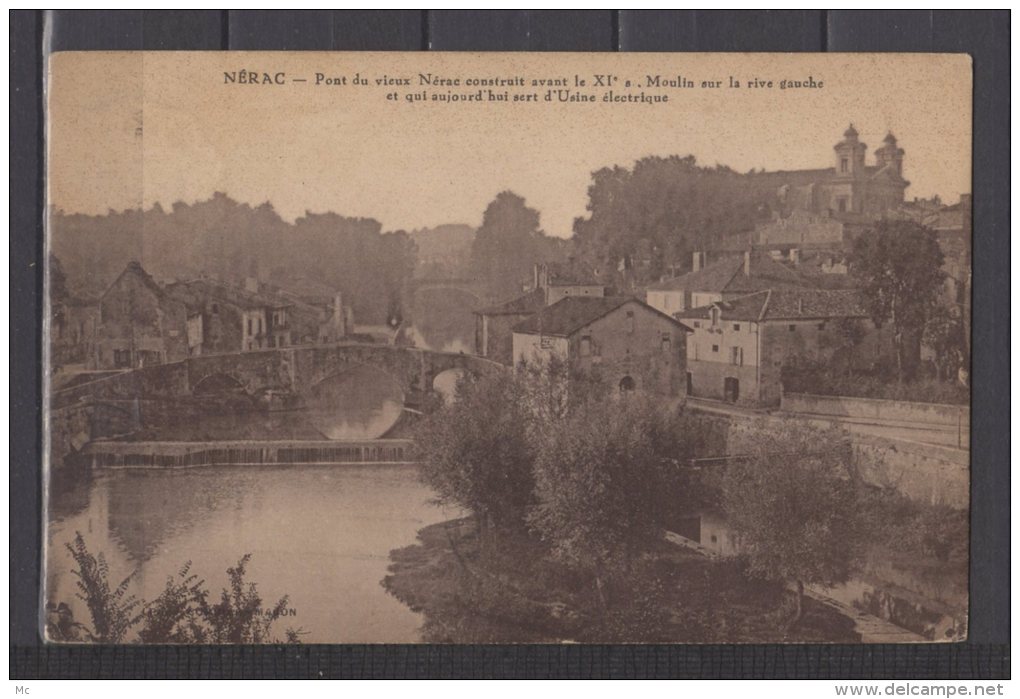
(507, 348)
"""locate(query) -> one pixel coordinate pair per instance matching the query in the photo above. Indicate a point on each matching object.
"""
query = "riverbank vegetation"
(572, 487)
(505, 588)
(184, 612)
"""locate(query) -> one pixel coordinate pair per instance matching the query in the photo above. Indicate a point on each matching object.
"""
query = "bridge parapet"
(295, 369)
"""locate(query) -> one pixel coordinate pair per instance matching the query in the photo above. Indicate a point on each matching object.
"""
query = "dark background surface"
(985, 35)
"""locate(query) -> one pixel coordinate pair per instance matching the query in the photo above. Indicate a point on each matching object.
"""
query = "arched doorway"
(626, 384)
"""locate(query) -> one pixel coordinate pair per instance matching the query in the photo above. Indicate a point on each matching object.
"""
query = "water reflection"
(361, 403)
(319, 534)
(444, 320)
(926, 597)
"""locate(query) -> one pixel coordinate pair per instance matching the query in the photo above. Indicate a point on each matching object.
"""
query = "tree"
(943, 334)
(792, 502)
(900, 266)
(600, 476)
(475, 451)
(668, 207)
(850, 333)
(508, 244)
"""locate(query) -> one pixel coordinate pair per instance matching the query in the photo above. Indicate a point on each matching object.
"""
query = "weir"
(165, 455)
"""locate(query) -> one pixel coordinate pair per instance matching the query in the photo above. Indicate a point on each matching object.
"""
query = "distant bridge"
(478, 288)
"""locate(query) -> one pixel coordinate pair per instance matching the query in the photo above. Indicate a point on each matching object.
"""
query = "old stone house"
(139, 324)
(552, 283)
(622, 340)
(730, 276)
(232, 319)
(737, 347)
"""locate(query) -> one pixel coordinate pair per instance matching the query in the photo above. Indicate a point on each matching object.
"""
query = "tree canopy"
(666, 208)
(508, 244)
(792, 501)
(899, 264)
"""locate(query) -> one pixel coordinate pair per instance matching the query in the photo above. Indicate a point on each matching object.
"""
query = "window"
(842, 203)
(630, 321)
(715, 348)
(737, 356)
(736, 327)
(667, 343)
(249, 327)
(585, 346)
(626, 384)
(545, 343)
(122, 358)
(697, 323)
(844, 165)
(792, 328)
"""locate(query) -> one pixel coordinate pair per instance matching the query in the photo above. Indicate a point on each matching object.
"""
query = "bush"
(113, 611)
(181, 613)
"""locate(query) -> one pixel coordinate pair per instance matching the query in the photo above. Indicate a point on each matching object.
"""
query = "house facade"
(224, 318)
(552, 283)
(624, 341)
(138, 324)
(737, 348)
(730, 276)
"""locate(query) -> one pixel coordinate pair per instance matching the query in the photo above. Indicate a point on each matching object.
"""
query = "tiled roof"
(816, 303)
(568, 315)
(786, 304)
(713, 277)
(531, 302)
(727, 275)
(231, 294)
(742, 308)
(134, 267)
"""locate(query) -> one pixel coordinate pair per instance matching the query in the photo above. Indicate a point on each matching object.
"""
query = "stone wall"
(923, 472)
(934, 414)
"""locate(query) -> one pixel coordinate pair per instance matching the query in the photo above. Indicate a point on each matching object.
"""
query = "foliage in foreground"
(792, 499)
(181, 613)
(602, 473)
(514, 592)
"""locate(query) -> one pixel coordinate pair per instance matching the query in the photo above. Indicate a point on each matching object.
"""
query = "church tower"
(850, 155)
(890, 155)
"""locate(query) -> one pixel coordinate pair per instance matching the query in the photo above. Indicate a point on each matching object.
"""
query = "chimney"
(696, 261)
(747, 263)
(541, 275)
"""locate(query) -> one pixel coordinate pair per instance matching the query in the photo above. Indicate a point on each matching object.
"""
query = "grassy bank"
(506, 590)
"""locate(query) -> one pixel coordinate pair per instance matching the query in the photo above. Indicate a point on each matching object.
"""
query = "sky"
(130, 130)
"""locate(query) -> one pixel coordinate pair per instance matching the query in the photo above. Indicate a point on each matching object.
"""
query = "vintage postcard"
(485, 348)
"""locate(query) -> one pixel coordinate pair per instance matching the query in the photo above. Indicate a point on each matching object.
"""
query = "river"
(321, 535)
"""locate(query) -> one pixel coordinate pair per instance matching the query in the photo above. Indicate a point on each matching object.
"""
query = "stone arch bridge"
(293, 370)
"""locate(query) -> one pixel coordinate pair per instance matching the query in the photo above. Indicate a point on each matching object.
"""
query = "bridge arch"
(221, 382)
